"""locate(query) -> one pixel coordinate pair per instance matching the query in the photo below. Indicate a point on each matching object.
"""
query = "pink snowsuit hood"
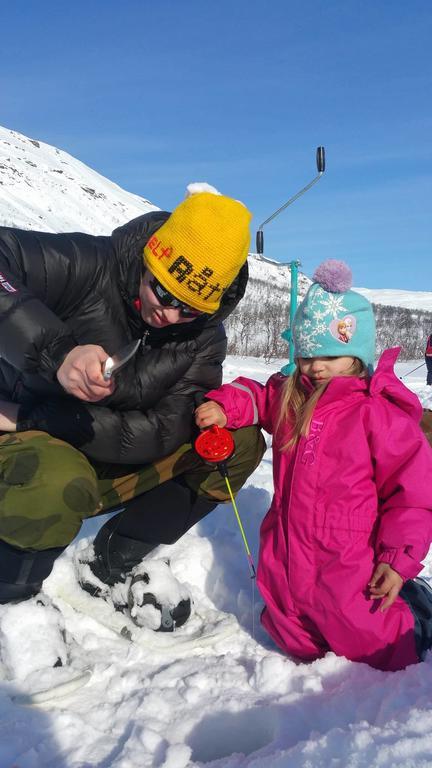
(384, 382)
(351, 494)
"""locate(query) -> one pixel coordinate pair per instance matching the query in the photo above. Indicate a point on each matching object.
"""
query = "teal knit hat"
(332, 320)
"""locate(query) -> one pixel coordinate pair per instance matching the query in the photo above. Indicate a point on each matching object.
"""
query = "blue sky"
(240, 93)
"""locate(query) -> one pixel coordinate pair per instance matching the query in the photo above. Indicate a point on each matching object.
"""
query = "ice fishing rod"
(410, 372)
(215, 445)
(320, 162)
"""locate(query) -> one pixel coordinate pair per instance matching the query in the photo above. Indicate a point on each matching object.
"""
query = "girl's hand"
(387, 583)
(210, 413)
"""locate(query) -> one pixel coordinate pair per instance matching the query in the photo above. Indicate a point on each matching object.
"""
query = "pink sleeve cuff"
(401, 562)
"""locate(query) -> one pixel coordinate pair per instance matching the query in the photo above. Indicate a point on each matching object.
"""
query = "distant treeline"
(256, 325)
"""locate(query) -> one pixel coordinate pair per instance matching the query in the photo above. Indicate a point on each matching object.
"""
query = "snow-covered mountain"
(44, 188)
(399, 298)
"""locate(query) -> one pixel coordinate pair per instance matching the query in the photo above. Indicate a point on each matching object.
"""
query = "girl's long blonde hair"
(298, 408)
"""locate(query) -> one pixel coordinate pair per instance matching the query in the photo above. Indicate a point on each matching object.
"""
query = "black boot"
(418, 594)
(160, 516)
(115, 555)
(22, 571)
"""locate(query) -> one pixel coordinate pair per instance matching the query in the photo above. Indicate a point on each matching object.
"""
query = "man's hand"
(387, 583)
(8, 416)
(210, 413)
(80, 374)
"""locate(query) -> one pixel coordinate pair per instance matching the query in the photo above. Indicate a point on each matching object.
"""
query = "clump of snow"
(155, 578)
(31, 637)
(200, 186)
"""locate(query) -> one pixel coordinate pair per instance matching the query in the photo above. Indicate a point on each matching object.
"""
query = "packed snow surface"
(217, 693)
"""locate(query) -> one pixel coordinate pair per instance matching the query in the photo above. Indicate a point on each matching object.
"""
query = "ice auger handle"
(320, 159)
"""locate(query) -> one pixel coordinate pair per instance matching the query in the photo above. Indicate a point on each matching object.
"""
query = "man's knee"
(46, 490)
(250, 446)
(204, 478)
(249, 449)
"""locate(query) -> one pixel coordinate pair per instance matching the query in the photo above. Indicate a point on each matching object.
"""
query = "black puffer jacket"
(60, 290)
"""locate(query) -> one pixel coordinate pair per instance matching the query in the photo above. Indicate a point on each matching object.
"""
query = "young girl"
(351, 516)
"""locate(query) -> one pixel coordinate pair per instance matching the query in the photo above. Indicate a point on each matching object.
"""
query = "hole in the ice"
(225, 733)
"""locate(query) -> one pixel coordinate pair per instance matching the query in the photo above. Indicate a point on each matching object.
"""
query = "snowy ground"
(217, 693)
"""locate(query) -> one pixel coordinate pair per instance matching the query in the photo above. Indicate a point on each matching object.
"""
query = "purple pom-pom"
(334, 276)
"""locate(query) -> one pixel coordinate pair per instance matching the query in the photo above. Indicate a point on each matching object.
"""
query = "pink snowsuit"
(351, 494)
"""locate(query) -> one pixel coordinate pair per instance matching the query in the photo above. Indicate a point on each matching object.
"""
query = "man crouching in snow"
(74, 445)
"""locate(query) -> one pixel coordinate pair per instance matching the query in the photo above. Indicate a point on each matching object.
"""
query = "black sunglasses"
(166, 299)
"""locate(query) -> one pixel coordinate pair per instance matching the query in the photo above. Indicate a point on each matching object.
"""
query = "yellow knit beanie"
(201, 248)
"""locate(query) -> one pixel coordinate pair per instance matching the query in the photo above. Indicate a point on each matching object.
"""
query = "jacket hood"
(385, 382)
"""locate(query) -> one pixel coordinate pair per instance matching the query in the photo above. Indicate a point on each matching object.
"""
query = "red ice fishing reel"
(215, 445)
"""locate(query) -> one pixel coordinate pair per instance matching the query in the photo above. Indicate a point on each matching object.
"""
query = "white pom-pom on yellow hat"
(197, 253)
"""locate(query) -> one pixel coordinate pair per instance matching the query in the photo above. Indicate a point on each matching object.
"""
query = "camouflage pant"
(47, 487)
